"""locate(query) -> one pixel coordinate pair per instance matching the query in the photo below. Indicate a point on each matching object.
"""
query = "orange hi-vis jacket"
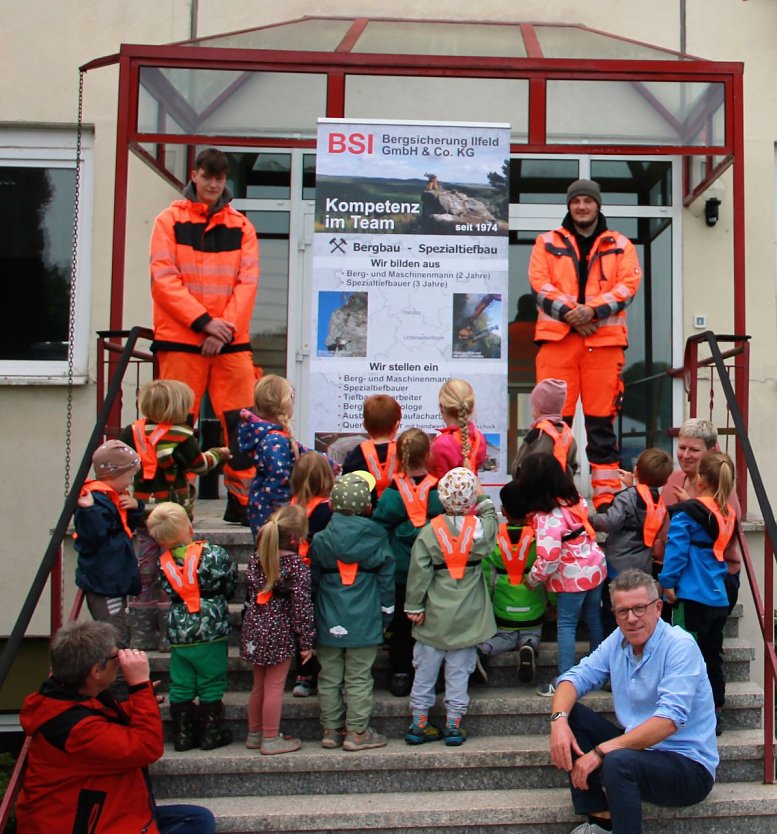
(304, 545)
(183, 578)
(655, 515)
(110, 492)
(415, 497)
(455, 549)
(562, 440)
(145, 445)
(382, 472)
(726, 524)
(514, 556)
(202, 267)
(579, 512)
(614, 276)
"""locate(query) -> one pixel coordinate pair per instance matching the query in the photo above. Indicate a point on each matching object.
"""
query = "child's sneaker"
(526, 664)
(547, 690)
(421, 731)
(279, 744)
(304, 687)
(454, 733)
(332, 737)
(364, 741)
(254, 740)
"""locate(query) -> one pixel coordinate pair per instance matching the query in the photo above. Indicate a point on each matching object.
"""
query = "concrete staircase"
(500, 780)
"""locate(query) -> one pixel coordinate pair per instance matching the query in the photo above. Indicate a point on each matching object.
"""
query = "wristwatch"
(556, 715)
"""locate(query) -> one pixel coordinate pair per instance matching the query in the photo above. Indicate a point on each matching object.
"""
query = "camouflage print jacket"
(217, 577)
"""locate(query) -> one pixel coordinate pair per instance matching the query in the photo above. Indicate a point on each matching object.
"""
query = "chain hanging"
(73, 284)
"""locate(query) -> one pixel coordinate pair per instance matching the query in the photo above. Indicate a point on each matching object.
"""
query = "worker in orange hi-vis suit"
(583, 276)
(204, 277)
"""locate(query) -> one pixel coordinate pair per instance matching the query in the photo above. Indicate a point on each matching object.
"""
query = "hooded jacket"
(352, 616)
(690, 567)
(624, 523)
(86, 770)
(203, 266)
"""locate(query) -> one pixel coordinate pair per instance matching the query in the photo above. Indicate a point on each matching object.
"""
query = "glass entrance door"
(641, 200)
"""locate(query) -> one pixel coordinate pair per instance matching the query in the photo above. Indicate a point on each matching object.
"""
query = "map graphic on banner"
(410, 275)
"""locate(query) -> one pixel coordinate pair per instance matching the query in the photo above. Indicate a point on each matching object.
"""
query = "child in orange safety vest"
(378, 454)
(170, 456)
(548, 432)
(312, 480)
(693, 577)
(632, 522)
(519, 610)
(106, 514)
(460, 442)
(278, 622)
(404, 508)
(447, 602)
(200, 579)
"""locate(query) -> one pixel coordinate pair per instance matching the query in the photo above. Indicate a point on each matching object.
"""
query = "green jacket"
(515, 606)
(217, 578)
(458, 614)
(351, 616)
(392, 515)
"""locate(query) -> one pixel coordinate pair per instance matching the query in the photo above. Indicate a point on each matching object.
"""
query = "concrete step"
(483, 763)
(498, 711)
(729, 808)
(737, 656)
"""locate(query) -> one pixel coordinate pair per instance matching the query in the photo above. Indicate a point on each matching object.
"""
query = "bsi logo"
(355, 143)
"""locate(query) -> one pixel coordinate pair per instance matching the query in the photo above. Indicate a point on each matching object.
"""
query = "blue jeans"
(184, 819)
(568, 606)
(629, 777)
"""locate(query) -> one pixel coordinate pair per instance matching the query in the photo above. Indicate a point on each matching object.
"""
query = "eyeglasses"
(637, 610)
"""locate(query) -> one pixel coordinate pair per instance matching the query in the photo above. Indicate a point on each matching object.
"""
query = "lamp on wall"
(711, 212)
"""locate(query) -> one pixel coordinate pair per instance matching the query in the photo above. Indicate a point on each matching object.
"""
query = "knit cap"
(584, 188)
(351, 493)
(548, 396)
(114, 458)
(458, 491)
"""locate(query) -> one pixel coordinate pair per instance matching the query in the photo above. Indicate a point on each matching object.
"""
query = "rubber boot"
(213, 733)
(163, 614)
(144, 627)
(184, 732)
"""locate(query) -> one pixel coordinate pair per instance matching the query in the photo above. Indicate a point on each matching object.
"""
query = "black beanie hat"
(584, 188)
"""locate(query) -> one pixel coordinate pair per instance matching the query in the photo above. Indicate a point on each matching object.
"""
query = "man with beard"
(583, 276)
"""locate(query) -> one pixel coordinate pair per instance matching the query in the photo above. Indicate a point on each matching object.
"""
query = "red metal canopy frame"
(345, 60)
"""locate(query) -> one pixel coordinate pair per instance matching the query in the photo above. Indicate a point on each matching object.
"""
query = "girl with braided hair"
(459, 443)
(266, 435)
(403, 509)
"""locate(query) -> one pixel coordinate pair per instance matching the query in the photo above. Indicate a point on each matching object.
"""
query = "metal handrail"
(51, 561)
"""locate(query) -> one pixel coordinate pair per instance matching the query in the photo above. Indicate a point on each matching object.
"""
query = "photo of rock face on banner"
(477, 319)
(342, 324)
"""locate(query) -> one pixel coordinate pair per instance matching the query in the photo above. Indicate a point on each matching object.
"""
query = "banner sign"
(410, 275)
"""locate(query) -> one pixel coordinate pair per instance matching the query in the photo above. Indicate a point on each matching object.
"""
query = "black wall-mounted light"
(711, 212)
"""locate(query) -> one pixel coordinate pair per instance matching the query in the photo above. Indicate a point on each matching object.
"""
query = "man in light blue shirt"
(666, 752)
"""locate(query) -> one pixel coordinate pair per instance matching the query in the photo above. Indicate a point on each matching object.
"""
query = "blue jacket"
(107, 564)
(690, 567)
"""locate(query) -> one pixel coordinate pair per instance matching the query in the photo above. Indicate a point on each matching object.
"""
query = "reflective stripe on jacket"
(455, 549)
(382, 472)
(725, 525)
(614, 276)
(654, 516)
(562, 440)
(415, 497)
(183, 578)
(145, 445)
(514, 556)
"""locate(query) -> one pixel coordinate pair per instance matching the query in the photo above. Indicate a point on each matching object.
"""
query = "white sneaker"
(589, 828)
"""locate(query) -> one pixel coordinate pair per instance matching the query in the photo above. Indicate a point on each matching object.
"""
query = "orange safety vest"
(514, 556)
(474, 447)
(382, 472)
(145, 445)
(726, 525)
(580, 513)
(455, 549)
(614, 275)
(183, 578)
(415, 497)
(100, 486)
(348, 571)
(656, 513)
(562, 440)
(304, 545)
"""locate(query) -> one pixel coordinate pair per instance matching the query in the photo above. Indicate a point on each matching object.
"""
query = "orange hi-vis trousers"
(229, 380)
(594, 376)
